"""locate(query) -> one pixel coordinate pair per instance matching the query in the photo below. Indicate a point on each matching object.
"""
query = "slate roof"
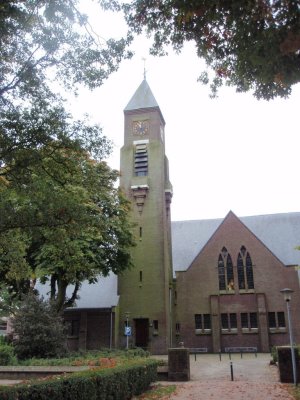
(279, 232)
(142, 98)
(102, 294)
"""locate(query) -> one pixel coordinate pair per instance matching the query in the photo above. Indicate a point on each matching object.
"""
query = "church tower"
(145, 290)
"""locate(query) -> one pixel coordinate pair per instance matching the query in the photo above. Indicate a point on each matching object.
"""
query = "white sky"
(232, 153)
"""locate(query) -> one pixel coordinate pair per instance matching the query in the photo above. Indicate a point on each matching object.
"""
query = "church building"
(212, 284)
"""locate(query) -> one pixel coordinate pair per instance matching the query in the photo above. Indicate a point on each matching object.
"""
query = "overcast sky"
(232, 153)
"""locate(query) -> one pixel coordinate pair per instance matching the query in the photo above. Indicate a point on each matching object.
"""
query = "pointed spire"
(142, 98)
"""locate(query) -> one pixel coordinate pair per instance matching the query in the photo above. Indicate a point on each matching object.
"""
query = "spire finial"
(144, 59)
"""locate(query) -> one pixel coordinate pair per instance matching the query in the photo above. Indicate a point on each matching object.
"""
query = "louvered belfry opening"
(141, 160)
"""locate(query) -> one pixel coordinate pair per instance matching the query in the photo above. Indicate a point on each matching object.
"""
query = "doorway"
(142, 332)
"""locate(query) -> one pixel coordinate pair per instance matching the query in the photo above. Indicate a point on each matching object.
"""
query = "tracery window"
(245, 269)
(225, 271)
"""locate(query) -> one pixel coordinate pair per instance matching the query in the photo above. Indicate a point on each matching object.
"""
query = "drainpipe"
(111, 328)
(171, 321)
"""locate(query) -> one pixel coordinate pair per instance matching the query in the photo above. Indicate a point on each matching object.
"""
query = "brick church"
(212, 284)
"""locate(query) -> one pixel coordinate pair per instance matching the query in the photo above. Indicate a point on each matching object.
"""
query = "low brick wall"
(179, 364)
(285, 364)
(18, 372)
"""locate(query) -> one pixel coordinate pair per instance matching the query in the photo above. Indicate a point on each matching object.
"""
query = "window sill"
(72, 336)
(251, 330)
(226, 291)
(155, 333)
(229, 332)
(245, 291)
(277, 330)
(202, 331)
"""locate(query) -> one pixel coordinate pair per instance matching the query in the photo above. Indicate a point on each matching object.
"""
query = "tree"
(41, 42)
(38, 330)
(42, 36)
(253, 45)
(65, 223)
(60, 216)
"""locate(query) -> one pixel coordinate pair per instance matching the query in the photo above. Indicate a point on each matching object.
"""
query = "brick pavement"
(254, 379)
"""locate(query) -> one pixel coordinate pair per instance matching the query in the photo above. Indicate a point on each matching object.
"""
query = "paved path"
(254, 379)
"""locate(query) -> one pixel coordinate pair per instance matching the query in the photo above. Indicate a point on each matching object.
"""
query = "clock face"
(140, 127)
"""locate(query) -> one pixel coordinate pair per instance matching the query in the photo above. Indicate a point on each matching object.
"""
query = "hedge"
(119, 383)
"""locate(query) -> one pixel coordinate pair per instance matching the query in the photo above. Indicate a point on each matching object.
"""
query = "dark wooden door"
(142, 332)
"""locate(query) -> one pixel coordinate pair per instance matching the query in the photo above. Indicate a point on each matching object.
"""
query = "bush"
(38, 329)
(6, 354)
(274, 354)
(120, 383)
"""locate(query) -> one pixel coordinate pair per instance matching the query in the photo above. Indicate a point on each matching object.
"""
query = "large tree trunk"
(61, 294)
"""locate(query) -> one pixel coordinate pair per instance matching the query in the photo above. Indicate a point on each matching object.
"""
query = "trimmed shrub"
(120, 383)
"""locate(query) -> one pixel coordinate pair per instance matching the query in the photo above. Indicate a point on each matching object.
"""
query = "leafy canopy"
(61, 217)
(253, 45)
(65, 223)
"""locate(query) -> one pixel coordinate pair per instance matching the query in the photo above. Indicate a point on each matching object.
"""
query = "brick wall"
(198, 292)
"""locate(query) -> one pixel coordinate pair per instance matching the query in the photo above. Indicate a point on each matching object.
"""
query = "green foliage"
(120, 383)
(274, 354)
(37, 36)
(6, 354)
(251, 45)
(87, 357)
(61, 217)
(74, 225)
(38, 329)
(43, 154)
(9, 301)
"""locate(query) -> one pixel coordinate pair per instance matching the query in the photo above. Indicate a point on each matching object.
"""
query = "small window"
(155, 324)
(233, 321)
(141, 232)
(229, 322)
(177, 327)
(207, 321)
(141, 276)
(272, 320)
(73, 327)
(244, 320)
(281, 319)
(253, 320)
(198, 321)
(224, 321)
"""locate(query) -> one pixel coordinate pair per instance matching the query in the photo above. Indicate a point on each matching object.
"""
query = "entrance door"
(142, 332)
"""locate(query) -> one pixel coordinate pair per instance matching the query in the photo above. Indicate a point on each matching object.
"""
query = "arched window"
(245, 270)
(225, 271)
